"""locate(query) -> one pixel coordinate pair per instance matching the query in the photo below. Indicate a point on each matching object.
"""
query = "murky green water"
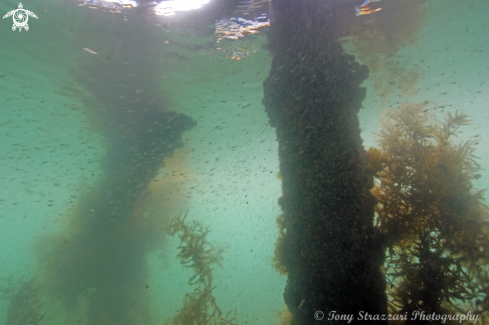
(114, 123)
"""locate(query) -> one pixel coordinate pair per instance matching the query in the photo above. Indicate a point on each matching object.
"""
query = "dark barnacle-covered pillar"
(330, 250)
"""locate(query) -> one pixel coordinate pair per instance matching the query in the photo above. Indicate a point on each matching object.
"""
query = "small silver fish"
(89, 50)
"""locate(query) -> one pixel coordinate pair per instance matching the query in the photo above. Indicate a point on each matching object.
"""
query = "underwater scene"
(225, 162)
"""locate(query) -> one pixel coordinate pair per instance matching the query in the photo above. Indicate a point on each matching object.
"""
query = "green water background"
(50, 149)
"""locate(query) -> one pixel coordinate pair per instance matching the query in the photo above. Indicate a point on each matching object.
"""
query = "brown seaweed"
(433, 220)
(201, 256)
(277, 255)
(377, 39)
(25, 304)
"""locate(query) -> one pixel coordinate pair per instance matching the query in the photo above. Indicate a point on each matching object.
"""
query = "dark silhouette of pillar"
(331, 250)
(102, 264)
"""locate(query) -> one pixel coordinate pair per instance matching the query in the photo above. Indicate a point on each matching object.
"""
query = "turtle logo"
(20, 17)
